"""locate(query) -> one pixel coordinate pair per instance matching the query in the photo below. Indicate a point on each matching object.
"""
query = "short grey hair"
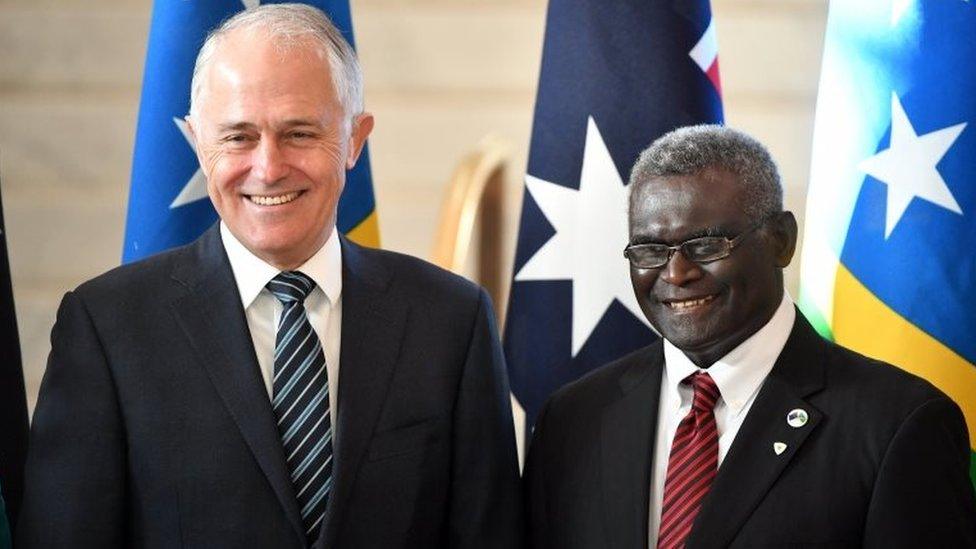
(689, 150)
(290, 26)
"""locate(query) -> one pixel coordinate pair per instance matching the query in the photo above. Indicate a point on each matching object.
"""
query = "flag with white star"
(889, 255)
(168, 203)
(615, 76)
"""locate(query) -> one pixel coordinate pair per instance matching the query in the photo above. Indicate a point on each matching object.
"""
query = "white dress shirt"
(738, 375)
(262, 308)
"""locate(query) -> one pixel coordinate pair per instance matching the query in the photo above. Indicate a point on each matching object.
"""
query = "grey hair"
(290, 26)
(689, 150)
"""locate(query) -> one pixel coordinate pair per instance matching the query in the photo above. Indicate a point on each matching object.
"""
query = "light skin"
(274, 143)
(708, 309)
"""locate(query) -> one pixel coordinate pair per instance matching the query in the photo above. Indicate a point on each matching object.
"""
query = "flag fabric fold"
(168, 203)
(614, 77)
(889, 265)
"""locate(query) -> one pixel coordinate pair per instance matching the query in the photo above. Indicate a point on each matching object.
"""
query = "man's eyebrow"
(234, 126)
(705, 231)
(248, 126)
(708, 231)
(293, 122)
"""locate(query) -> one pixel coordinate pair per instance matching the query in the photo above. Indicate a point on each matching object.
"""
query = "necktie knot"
(706, 391)
(291, 286)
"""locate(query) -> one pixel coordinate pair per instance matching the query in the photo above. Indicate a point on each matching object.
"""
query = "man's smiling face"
(707, 309)
(274, 142)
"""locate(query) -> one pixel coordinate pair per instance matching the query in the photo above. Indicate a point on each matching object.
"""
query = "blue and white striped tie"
(301, 400)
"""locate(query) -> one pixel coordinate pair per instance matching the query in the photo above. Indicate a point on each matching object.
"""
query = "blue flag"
(615, 76)
(889, 255)
(168, 204)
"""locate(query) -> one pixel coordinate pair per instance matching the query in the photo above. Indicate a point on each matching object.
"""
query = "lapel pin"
(797, 417)
(779, 447)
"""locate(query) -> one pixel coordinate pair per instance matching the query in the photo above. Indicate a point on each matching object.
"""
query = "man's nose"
(269, 163)
(679, 270)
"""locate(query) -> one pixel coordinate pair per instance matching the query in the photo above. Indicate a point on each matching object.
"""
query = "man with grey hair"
(741, 427)
(273, 384)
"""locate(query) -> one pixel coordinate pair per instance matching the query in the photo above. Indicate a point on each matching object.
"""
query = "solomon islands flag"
(889, 257)
(168, 204)
(615, 76)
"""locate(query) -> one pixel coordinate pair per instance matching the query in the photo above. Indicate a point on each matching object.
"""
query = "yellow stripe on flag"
(367, 233)
(864, 323)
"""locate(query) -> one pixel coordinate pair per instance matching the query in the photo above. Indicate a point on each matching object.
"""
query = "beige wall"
(440, 74)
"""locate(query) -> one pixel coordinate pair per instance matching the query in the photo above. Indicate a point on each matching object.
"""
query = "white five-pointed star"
(908, 166)
(898, 8)
(591, 231)
(196, 188)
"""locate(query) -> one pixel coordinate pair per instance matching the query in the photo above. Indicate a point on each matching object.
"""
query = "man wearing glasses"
(741, 427)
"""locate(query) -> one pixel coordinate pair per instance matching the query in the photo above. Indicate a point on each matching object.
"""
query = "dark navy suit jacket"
(154, 427)
(882, 462)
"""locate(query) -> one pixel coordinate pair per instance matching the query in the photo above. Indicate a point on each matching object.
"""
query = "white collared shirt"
(739, 375)
(262, 308)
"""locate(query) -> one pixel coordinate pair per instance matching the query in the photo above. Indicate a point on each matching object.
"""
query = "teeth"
(689, 303)
(274, 200)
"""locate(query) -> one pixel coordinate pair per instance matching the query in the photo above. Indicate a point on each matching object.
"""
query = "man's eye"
(707, 248)
(651, 253)
(236, 138)
(301, 135)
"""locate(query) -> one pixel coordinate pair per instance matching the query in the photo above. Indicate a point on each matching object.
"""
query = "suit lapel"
(212, 317)
(372, 329)
(628, 428)
(751, 466)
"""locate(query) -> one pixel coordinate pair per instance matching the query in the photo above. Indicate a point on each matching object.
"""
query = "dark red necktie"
(692, 464)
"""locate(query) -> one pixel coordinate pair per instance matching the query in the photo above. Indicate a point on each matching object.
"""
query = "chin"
(688, 335)
(267, 248)
(685, 341)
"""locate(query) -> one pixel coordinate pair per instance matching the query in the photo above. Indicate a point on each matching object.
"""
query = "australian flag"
(168, 204)
(615, 76)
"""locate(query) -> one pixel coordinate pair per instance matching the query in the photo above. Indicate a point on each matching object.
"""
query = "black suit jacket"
(882, 462)
(154, 427)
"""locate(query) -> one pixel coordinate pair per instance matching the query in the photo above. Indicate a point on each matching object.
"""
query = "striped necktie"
(692, 464)
(300, 399)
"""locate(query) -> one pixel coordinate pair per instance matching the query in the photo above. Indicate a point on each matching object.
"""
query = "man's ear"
(194, 139)
(783, 233)
(362, 125)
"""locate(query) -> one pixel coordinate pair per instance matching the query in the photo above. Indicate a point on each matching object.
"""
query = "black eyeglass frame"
(730, 244)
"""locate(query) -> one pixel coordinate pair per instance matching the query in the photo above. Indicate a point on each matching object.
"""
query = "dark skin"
(706, 310)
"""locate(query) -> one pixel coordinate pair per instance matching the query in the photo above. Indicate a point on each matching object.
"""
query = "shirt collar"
(253, 273)
(741, 372)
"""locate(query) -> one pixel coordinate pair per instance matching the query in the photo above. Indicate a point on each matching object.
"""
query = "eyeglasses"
(704, 249)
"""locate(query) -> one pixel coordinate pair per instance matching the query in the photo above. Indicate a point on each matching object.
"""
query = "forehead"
(248, 66)
(673, 207)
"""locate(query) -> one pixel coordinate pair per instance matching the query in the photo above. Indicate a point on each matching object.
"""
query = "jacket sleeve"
(486, 504)
(923, 496)
(75, 476)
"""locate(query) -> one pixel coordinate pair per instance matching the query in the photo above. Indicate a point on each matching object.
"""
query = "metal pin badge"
(797, 417)
(779, 447)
